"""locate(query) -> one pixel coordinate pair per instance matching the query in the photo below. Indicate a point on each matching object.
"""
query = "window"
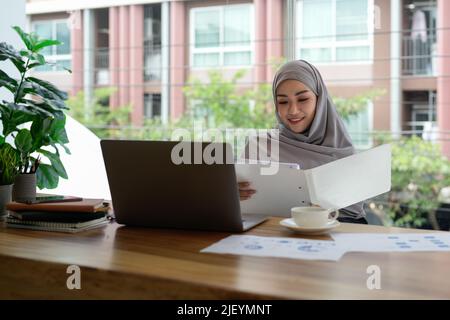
(152, 42)
(61, 55)
(152, 105)
(344, 32)
(221, 36)
(359, 127)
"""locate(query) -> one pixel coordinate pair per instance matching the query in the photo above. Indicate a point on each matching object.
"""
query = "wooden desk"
(139, 263)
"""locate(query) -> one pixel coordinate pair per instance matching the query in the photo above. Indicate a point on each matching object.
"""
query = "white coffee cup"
(313, 217)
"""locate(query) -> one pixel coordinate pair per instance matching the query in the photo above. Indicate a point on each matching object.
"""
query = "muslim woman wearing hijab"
(311, 132)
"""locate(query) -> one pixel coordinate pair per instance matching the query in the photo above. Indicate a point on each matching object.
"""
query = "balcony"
(419, 54)
(102, 66)
(152, 63)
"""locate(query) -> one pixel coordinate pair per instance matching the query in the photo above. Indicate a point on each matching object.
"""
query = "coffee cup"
(313, 217)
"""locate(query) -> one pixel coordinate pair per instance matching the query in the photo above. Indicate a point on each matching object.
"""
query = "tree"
(224, 103)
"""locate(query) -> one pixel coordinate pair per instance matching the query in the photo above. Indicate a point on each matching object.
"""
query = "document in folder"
(334, 185)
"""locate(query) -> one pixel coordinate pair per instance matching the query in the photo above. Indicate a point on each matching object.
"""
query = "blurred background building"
(148, 49)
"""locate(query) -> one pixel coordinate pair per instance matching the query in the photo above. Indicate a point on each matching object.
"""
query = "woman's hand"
(245, 192)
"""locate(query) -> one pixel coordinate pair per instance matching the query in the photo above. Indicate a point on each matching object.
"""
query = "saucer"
(290, 224)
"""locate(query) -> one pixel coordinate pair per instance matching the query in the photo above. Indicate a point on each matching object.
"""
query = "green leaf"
(40, 131)
(14, 115)
(7, 82)
(49, 86)
(8, 52)
(39, 58)
(34, 64)
(46, 177)
(25, 37)
(34, 38)
(56, 162)
(42, 110)
(65, 148)
(24, 142)
(46, 43)
(58, 132)
(67, 69)
(25, 53)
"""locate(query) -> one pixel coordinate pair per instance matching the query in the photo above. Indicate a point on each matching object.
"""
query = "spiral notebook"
(334, 185)
(74, 227)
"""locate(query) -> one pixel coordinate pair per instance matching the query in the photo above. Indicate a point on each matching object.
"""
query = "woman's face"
(296, 105)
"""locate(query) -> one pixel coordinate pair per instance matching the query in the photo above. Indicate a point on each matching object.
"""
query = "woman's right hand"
(245, 192)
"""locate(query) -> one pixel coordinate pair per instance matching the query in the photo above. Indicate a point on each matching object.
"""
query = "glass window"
(222, 35)
(312, 30)
(359, 127)
(316, 54)
(351, 20)
(152, 105)
(342, 34)
(59, 55)
(63, 35)
(44, 30)
(352, 53)
(237, 26)
(206, 59)
(237, 58)
(207, 29)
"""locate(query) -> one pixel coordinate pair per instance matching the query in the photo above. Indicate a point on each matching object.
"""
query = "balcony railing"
(101, 66)
(152, 63)
(419, 54)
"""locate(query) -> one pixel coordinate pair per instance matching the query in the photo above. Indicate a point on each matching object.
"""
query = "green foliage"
(347, 107)
(98, 117)
(419, 172)
(9, 162)
(221, 104)
(36, 103)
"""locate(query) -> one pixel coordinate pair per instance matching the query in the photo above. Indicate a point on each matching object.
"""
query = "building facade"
(148, 49)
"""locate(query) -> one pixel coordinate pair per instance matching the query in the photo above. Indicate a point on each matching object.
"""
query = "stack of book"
(74, 216)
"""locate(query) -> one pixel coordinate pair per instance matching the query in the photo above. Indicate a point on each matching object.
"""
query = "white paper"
(306, 249)
(352, 179)
(334, 185)
(293, 248)
(393, 242)
(275, 194)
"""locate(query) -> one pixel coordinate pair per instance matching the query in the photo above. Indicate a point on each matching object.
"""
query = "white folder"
(334, 185)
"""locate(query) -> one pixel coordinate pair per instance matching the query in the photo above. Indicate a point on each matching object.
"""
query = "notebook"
(56, 216)
(86, 205)
(56, 226)
(334, 185)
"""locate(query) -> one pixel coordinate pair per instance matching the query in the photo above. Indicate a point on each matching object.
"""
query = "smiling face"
(296, 105)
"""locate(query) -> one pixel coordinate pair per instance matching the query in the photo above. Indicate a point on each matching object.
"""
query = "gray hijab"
(326, 139)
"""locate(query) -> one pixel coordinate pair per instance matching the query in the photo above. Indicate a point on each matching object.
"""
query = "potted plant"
(9, 163)
(34, 120)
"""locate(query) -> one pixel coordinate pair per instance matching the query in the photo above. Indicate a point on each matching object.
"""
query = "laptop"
(149, 189)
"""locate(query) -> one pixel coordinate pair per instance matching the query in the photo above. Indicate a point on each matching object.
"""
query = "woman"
(311, 131)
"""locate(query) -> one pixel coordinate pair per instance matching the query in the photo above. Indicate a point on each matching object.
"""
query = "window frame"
(54, 57)
(221, 49)
(370, 115)
(144, 109)
(334, 43)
